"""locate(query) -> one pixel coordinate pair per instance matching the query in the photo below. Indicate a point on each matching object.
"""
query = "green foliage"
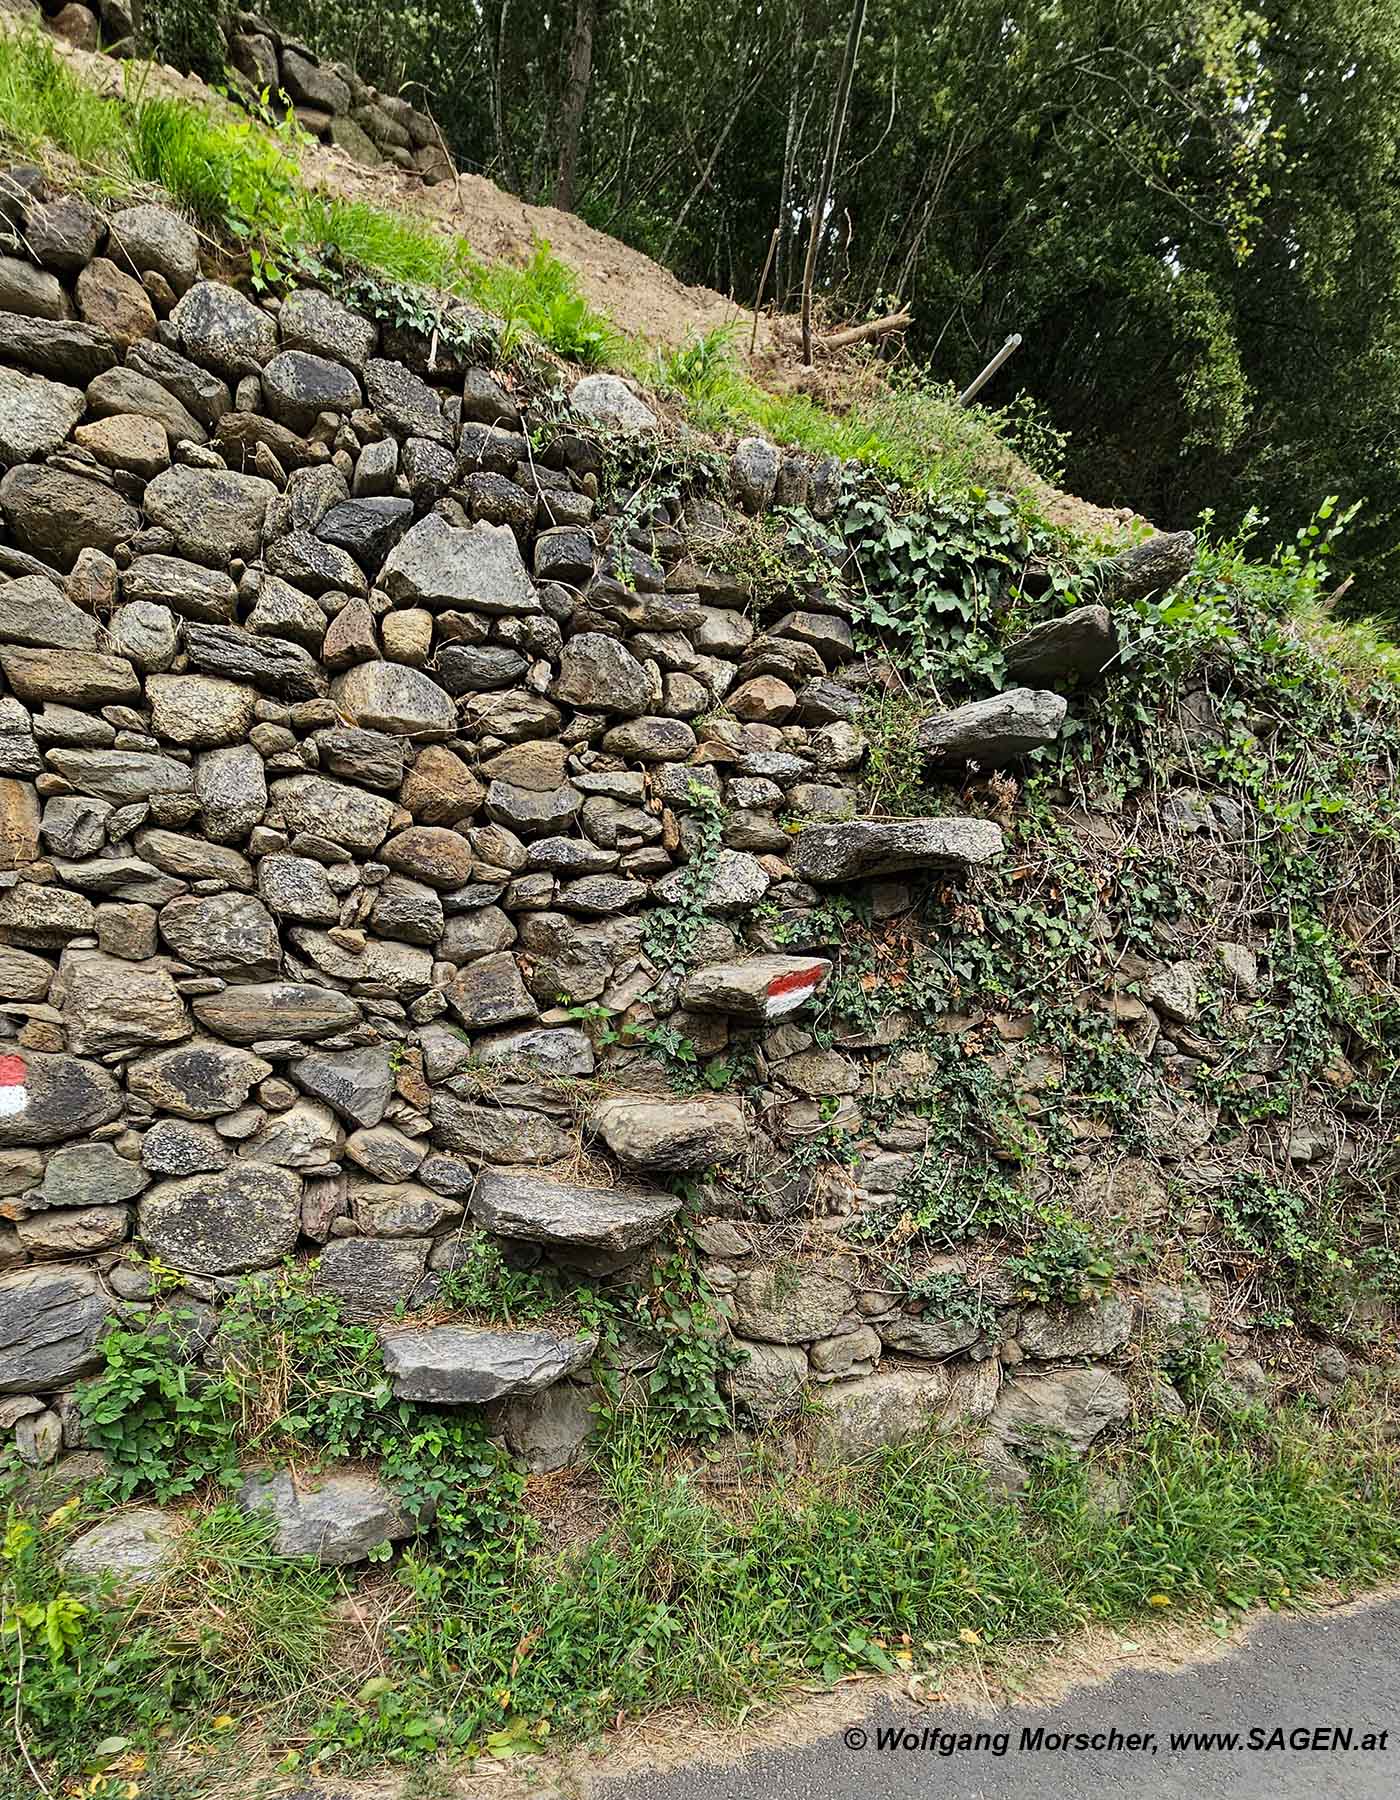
(1065, 1266)
(545, 298)
(164, 1426)
(672, 931)
(948, 1295)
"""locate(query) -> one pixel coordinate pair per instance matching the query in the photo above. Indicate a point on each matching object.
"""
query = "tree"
(575, 100)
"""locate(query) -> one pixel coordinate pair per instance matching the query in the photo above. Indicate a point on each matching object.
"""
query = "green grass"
(909, 1561)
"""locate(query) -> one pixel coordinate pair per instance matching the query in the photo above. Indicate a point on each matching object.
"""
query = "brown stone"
(114, 302)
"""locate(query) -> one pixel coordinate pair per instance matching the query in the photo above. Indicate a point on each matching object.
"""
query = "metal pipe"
(1012, 344)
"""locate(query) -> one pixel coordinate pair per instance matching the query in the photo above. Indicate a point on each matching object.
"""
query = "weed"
(672, 931)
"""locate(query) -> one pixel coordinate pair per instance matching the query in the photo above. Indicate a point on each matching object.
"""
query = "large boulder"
(110, 1004)
(1056, 1333)
(873, 1412)
(232, 935)
(311, 320)
(225, 1221)
(455, 1365)
(34, 612)
(346, 815)
(647, 1133)
(52, 1318)
(595, 671)
(568, 1216)
(996, 730)
(299, 386)
(865, 848)
(337, 1518)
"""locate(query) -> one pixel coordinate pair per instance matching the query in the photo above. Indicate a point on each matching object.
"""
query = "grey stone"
(996, 730)
(109, 1004)
(403, 970)
(52, 1318)
(271, 664)
(295, 887)
(120, 392)
(299, 386)
(373, 759)
(145, 633)
(875, 1412)
(753, 474)
(284, 1009)
(607, 400)
(34, 613)
(36, 415)
(199, 712)
(59, 347)
(549, 1429)
(42, 918)
(794, 1304)
(476, 668)
(217, 326)
(224, 1221)
(357, 1084)
(496, 1134)
(74, 1230)
(232, 791)
(401, 1209)
(311, 320)
(387, 1154)
(305, 1136)
(346, 815)
(195, 593)
(736, 883)
(597, 672)
(337, 1519)
(478, 568)
(55, 515)
(177, 1147)
(30, 292)
(531, 813)
(409, 910)
(284, 611)
(869, 847)
(480, 932)
(201, 1079)
(153, 237)
(76, 677)
(391, 697)
(927, 1335)
(405, 402)
(1078, 645)
(371, 1277)
(454, 1365)
(1063, 1408)
(1095, 1329)
(770, 1381)
(138, 1546)
(1148, 568)
(91, 1175)
(122, 776)
(367, 529)
(647, 1133)
(490, 992)
(232, 935)
(213, 515)
(756, 989)
(565, 1215)
(63, 234)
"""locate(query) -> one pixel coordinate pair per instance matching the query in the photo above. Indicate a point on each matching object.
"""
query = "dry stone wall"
(343, 735)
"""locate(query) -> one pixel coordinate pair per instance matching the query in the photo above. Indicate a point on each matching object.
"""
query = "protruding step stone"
(675, 1135)
(562, 1214)
(1149, 568)
(757, 989)
(996, 730)
(864, 848)
(456, 1365)
(1076, 646)
(338, 1519)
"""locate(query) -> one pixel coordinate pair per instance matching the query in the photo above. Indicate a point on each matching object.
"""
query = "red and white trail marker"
(14, 1093)
(786, 992)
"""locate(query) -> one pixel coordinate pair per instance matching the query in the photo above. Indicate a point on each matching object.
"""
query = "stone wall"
(344, 734)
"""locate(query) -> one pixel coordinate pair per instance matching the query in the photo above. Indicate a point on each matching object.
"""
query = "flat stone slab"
(560, 1213)
(456, 1365)
(756, 989)
(644, 1132)
(864, 848)
(996, 730)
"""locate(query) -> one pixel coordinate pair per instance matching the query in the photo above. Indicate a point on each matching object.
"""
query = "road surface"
(1321, 1676)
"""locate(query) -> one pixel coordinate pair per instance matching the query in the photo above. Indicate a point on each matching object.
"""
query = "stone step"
(1079, 644)
(459, 1365)
(569, 1216)
(757, 989)
(996, 730)
(869, 847)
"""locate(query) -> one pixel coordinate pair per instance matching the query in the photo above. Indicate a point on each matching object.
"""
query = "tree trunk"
(840, 103)
(575, 100)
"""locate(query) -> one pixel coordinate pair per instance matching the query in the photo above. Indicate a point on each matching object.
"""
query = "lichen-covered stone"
(225, 1221)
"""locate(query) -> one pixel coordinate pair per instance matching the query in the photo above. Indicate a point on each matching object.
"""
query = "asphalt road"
(1329, 1672)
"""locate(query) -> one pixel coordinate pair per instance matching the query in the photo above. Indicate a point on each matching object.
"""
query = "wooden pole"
(763, 283)
(1008, 349)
